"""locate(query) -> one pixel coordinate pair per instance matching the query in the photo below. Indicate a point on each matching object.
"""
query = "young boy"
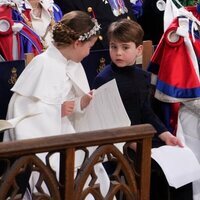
(125, 45)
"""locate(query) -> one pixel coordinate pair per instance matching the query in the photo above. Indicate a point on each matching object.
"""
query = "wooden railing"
(130, 180)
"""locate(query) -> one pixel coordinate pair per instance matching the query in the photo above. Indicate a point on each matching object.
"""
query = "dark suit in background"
(101, 10)
(151, 21)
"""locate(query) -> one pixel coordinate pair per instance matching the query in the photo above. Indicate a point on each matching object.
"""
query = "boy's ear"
(139, 50)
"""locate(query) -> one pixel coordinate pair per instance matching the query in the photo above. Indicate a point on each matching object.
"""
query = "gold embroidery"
(13, 76)
(49, 29)
(102, 64)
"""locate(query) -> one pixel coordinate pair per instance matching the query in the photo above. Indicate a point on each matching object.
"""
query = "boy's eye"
(113, 47)
(125, 47)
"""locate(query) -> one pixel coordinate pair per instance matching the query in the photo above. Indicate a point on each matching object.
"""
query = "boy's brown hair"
(126, 30)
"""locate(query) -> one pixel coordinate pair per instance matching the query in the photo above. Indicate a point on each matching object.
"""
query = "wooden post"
(69, 173)
(144, 168)
(28, 57)
(147, 53)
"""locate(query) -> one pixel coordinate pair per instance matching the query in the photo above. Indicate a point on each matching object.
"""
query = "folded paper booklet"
(12, 123)
(105, 111)
(179, 165)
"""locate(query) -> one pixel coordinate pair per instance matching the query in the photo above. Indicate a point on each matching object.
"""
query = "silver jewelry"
(90, 33)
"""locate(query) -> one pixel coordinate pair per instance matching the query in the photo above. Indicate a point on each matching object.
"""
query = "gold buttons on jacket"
(89, 9)
(100, 37)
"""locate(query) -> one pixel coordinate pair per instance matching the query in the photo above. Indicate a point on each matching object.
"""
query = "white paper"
(5, 125)
(106, 110)
(12, 123)
(179, 165)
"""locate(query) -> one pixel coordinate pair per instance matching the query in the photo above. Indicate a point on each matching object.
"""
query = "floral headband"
(90, 33)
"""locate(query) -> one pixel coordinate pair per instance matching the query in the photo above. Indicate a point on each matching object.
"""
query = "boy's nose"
(119, 51)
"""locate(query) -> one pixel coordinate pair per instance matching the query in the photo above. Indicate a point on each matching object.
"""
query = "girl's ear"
(139, 50)
(77, 43)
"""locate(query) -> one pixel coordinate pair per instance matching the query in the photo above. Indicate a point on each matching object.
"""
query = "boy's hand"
(170, 139)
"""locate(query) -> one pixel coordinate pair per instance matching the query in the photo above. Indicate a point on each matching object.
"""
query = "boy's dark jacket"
(134, 88)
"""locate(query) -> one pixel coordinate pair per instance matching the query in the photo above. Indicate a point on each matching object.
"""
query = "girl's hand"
(67, 108)
(85, 100)
(170, 139)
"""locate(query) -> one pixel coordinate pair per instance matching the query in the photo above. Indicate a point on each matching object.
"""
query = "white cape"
(189, 132)
(43, 86)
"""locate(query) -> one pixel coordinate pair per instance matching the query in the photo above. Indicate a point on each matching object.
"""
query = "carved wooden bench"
(21, 155)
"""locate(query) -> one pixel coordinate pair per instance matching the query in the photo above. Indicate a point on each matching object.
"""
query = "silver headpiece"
(90, 33)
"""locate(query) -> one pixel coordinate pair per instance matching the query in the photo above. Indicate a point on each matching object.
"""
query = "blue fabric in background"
(137, 8)
(95, 62)
(9, 72)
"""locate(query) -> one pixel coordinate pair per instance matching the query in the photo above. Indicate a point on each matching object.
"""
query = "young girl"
(54, 84)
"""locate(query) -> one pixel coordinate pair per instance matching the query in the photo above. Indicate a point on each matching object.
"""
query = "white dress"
(189, 132)
(48, 81)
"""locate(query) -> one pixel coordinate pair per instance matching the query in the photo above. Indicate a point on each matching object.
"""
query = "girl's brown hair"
(71, 27)
(126, 30)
